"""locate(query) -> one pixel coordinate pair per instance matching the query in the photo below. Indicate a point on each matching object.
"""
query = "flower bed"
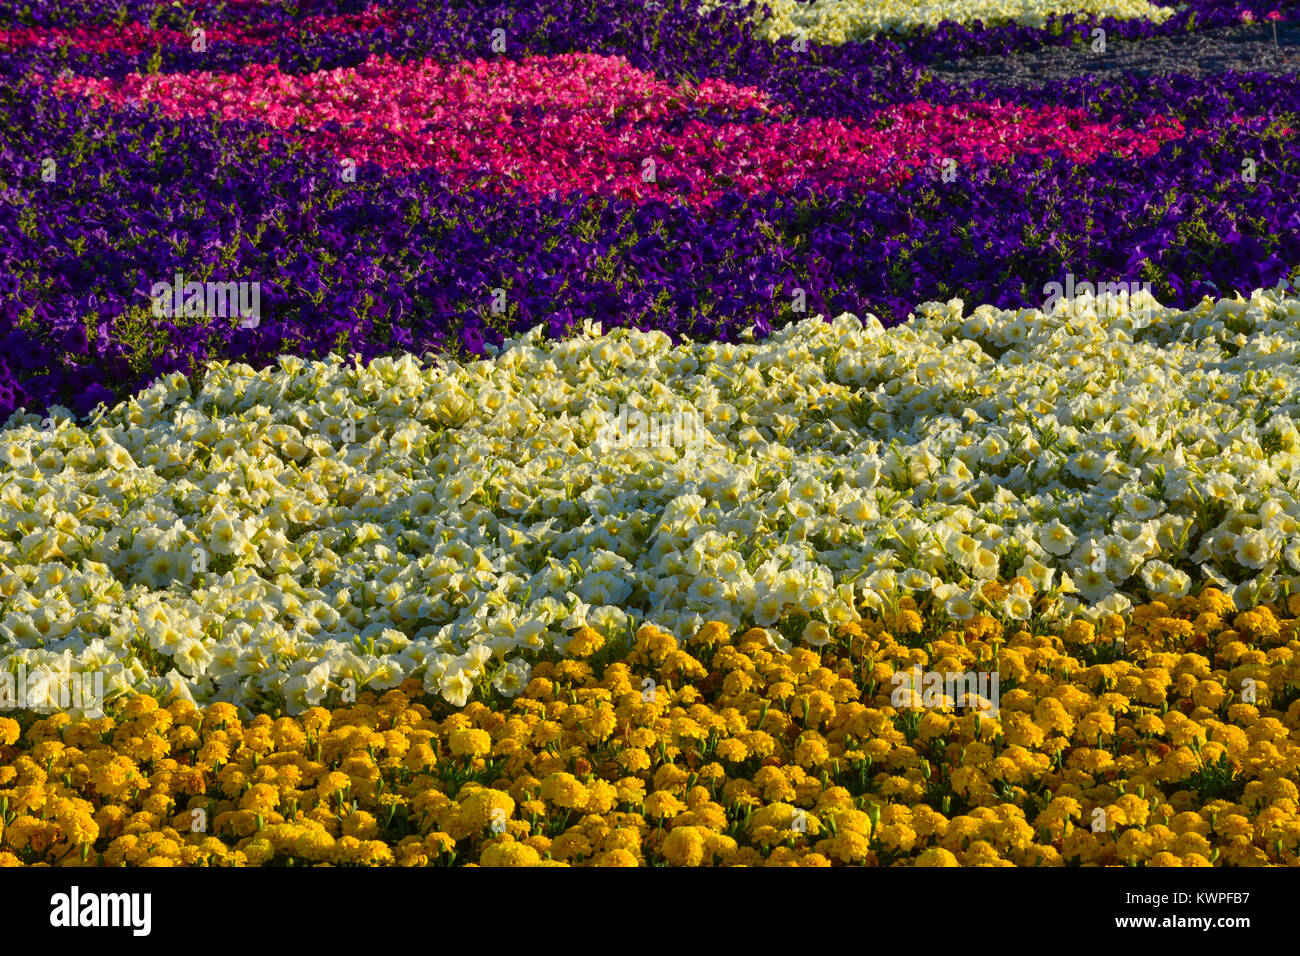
(442, 434)
(720, 750)
(281, 531)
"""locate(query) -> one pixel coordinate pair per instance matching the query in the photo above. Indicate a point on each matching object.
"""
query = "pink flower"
(595, 124)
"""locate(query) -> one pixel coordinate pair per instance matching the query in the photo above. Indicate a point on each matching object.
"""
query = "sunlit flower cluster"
(282, 533)
(1165, 737)
(844, 21)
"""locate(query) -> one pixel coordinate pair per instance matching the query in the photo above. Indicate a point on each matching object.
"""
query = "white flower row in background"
(843, 21)
(234, 545)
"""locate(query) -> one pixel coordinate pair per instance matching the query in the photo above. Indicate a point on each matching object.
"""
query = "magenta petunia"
(596, 124)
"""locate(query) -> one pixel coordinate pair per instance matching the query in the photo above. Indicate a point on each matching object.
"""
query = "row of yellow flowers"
(1167, 738)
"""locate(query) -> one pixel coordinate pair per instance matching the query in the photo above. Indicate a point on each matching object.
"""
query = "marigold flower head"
(470, 742)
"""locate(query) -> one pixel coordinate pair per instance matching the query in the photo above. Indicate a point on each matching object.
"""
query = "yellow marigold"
(411, 854)
(257, 850)
(1214, 601)
(438, 842)
(315, 720)
(314, 845)
(138, 706)
(774, 784)
(564, 790)
(630, 790)
(684, 846)
(655, 642)
(78, 827)
(615, 858)
(936, 856)
(540, 688)
(1192, 842)
(732, 750)
(712, 633)
(1133, 846)
(759, 743)
(933, 725)
(1013, 833)
(1050, 714)
(360, 824)
(509, 854)
(811, 751)
(31, 832)
(602, 796)
(585, 642)
(1170, 629)
(753, 639)
(897, 836)
(847, 847)
(908, 622)
(670, 777)
(260, 798)
(470, 742)
(331, 783)
(27, 798)
(662, 805)
(1234, 826)
(9, 731)
(1209, 694)
(708, 815)
(218, 715)
(982, 627)
(212, 754)
(480, 809)
(117, 777)
(571, 845)
(982, 853)
(111, 817)
(965, 779)
(786, 820)
(1258, 624)
(782, 856)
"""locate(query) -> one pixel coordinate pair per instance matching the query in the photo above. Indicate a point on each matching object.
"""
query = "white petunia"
(1056, 538)
(511, 680)
(455, 688)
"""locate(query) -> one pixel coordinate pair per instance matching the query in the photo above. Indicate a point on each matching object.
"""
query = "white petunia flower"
(512, 678)
(455, 688)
